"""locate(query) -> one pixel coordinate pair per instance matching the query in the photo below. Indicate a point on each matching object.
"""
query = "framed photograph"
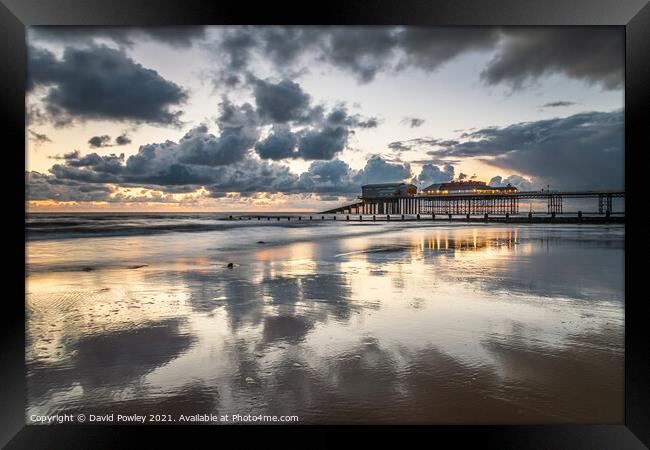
(384, 213)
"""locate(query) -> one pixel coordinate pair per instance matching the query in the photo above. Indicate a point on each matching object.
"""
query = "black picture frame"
(15, 15)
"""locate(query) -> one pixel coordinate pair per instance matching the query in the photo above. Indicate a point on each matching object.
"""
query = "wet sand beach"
(332, 322)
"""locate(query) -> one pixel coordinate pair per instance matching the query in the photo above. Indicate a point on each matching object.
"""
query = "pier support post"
(360, 218)
(230, 217)
(418, 217)
(374, 218)
(553, 215)
(467, 217)
(402, 216)
(347, 217)
(580, 216)
(449, 216)
(485, 217)
(507, 217)
(334, 217)
(388, 218)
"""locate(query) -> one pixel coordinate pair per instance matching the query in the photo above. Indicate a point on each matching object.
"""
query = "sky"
(298, 118)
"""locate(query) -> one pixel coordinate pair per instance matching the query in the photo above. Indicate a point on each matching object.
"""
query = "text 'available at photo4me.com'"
(207, 418)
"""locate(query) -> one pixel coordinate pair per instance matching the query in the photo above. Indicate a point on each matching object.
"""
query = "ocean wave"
(70, 227)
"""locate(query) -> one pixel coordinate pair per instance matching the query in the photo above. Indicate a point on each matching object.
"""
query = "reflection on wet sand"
(458, 324)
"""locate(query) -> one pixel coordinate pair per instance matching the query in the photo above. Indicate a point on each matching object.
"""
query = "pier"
(464, 201)
(486, 204)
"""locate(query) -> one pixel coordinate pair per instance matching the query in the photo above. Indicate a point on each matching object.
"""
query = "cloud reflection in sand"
(430, 324)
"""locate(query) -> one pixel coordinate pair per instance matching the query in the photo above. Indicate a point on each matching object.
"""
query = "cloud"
(202, 148)
(517, 181)
(324, 143)
(39, 186)
(431, 47)
(174, 36)
(214, 162)
(420, 144)
(105, 141)
(413, 122)
(324, 134)
(102, 83)
(281, 102)
(339, 116)
(592, 54)
(334, 177)
(75, 154)
(520, 55)
(122, 139)
(558, 104)
(38, 138)
(279, 144)
(359, 50)
(431, 173)
(100, 141)
(582, 151)
(377, 170)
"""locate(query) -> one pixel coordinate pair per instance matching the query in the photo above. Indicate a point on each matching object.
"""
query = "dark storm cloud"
(558, 104)
(592, 54)
(39, 186)
(105, 141)
(122, 139)
(202, 148)
(323, 134)
(75, 154)
(39, 138)
(517, 181)
(281, 102)
(377, 170)
(420, 144)
(174, 36)
(323, 144)
(413, 122)
(99, 82)
(431, 173)
(521, 55)
(279, 144)
(362, 51)
(201, 159)
(100, 141)
(339, 116)
(580, 151)
(430, 47)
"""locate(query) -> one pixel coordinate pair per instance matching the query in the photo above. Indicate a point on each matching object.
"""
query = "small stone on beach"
(230, 265)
